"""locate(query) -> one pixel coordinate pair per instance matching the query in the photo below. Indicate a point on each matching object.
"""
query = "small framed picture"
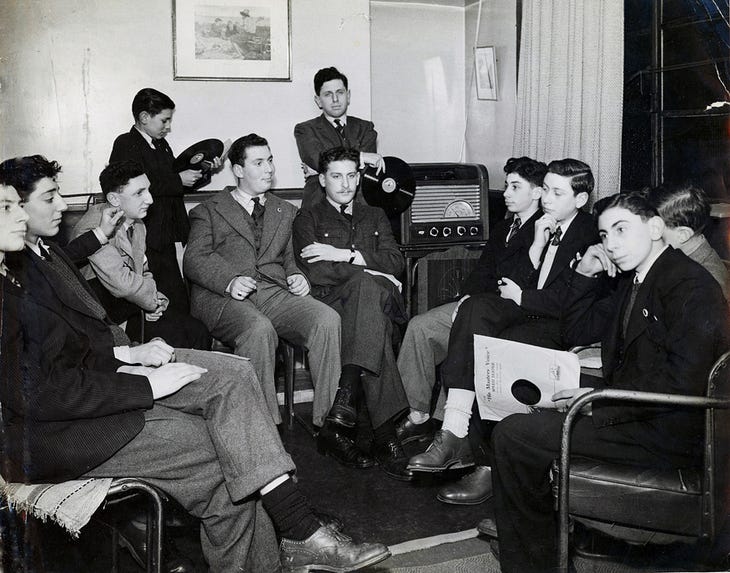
(231, 40)
(486, 71)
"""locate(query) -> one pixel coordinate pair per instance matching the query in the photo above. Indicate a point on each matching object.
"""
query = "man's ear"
(318, 102)
(237, 170)
(581, 199)
(113, 199)
(536, 193)
(685, 233)
(321, 179)
(144, 117)
(656, 227)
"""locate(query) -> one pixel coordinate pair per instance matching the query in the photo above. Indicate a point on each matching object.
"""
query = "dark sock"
(350, 377)
(290, 511)
(384, 433)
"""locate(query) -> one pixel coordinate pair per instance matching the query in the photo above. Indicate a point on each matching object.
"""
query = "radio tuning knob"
(461, 230)
(446, 231)
(473, 231)
(433, 231)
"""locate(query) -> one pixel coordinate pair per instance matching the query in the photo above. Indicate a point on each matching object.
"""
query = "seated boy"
(349, 255)
(662, 328)
(686, 212)
(118, 272)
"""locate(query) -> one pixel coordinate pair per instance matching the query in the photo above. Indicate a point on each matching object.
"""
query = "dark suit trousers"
(175, 328)
(164, 267)
(370, 307)
(524, 447)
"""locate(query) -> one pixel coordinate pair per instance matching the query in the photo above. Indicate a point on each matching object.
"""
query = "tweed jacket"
(222, 246)
(318, 135)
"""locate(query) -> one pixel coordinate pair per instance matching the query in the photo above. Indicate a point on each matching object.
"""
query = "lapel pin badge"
(645, 313)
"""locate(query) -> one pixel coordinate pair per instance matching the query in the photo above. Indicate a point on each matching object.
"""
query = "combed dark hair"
(682, 205)
(328, 74)
(24, 172)
(635, 201)
(529, 169)
(116, 175)
(237, 153)
(337, 154)
(151, 101)
(581, 176)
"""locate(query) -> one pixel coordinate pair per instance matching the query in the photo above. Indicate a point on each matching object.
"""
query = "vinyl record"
(392, 190)
(199, 156)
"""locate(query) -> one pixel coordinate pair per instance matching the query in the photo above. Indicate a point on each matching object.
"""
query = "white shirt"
(547, 262)
(245, 200)
(147, 138)
(640, 276)
(343, 120)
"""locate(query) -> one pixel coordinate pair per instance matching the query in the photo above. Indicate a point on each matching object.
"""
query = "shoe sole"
(397, 477)
(469, 502)
(454, 465)
(306, 568)
(410, 439)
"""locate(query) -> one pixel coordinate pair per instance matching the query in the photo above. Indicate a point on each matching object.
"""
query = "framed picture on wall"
(486, 72)
(231, 40)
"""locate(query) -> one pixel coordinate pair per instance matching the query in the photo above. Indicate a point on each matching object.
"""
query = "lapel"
(611, 345)
(524, 235)
(328, 132)
(136, 249)
(232, 212)
(272, 222)
(571, 242)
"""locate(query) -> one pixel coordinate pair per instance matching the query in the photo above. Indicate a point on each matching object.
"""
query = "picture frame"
(231, 40)
(485, 63)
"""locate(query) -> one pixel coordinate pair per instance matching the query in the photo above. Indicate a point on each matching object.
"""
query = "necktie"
(258, 210)
(516, 224)
(340, 127)
(157, 144)
(45, 253)
(343, 210)
(130, 234)
(630, 305)
(556, 237)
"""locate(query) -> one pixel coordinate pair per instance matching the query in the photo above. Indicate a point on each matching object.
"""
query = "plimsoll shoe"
(472, 489)
(329, 550)
(445, 452)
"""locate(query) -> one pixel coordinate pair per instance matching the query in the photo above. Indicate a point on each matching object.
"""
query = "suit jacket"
(318, 135)
(677, 329)
(502, 260)
(65, 408)
(369, 232)
(119, 265)
(167, 220)
(222, 247)
(548, 300)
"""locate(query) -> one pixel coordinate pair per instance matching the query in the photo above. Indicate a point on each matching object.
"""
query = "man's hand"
(169, 378)
(372, 159)
(162, 303)
(110, 218)
(544, 227)
(154, 353)
(565, 398)
(595, 261)
(510, 289)
(298, 285)
(321, 252)
(307, 170)
(241, 287)
(458, 306)
(217, 164)
(189, 177)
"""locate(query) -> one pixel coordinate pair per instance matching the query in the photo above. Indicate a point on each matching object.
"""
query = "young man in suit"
(77, 402)
(526, 312)
(348, 253)
(661, 329)
(426, 340)
(246, 286)
(119, 273)
(686, 212)
(167, 220)
(334, 128)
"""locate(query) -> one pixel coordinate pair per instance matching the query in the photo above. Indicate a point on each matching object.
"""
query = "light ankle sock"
(418, 417)
(457, 411)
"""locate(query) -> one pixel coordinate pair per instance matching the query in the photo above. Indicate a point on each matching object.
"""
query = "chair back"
(716, 480)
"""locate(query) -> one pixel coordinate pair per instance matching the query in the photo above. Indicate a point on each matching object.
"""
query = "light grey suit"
(222, 246)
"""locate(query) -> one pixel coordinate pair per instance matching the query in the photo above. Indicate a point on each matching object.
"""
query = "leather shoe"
(329, 550)
(393, 460)
(488, 527)
(591, 544)
(343, 411)
(445, 452)
(330, 442)
(408, 432)
(328, 520)
(134, 540)
(472, 489)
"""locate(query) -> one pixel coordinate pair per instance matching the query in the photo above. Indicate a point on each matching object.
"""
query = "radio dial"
(461, 230)
(473, 231)
(433, 231)
(447, 231)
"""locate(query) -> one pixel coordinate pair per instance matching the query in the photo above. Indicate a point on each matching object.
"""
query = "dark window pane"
(694, 88)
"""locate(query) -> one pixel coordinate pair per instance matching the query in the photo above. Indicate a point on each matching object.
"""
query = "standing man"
(167, 220)
(246, 286)
(119, 273)
(334, 128)
(348, 253)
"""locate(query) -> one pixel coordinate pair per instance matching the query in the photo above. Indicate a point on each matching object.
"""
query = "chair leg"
(289, 370)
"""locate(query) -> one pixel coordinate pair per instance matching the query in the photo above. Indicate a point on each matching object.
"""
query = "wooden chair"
(640, 505)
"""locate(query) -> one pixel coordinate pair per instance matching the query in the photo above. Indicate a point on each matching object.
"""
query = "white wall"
(417, 70)
(490, 124)
(70, 68)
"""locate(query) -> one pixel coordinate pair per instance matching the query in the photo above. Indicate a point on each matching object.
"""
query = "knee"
(328, 320)
(417, 326)
(260, 332)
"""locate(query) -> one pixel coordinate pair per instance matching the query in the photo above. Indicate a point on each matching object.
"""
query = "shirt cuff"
(359, 259)
(103, 239)
(123, 354)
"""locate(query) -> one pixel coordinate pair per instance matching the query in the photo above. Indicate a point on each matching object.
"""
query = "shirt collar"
(348, 208)
(36, 247)
(565, 224)
(640, 276)
(342, 118)
(246, 199)
(146, 137)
